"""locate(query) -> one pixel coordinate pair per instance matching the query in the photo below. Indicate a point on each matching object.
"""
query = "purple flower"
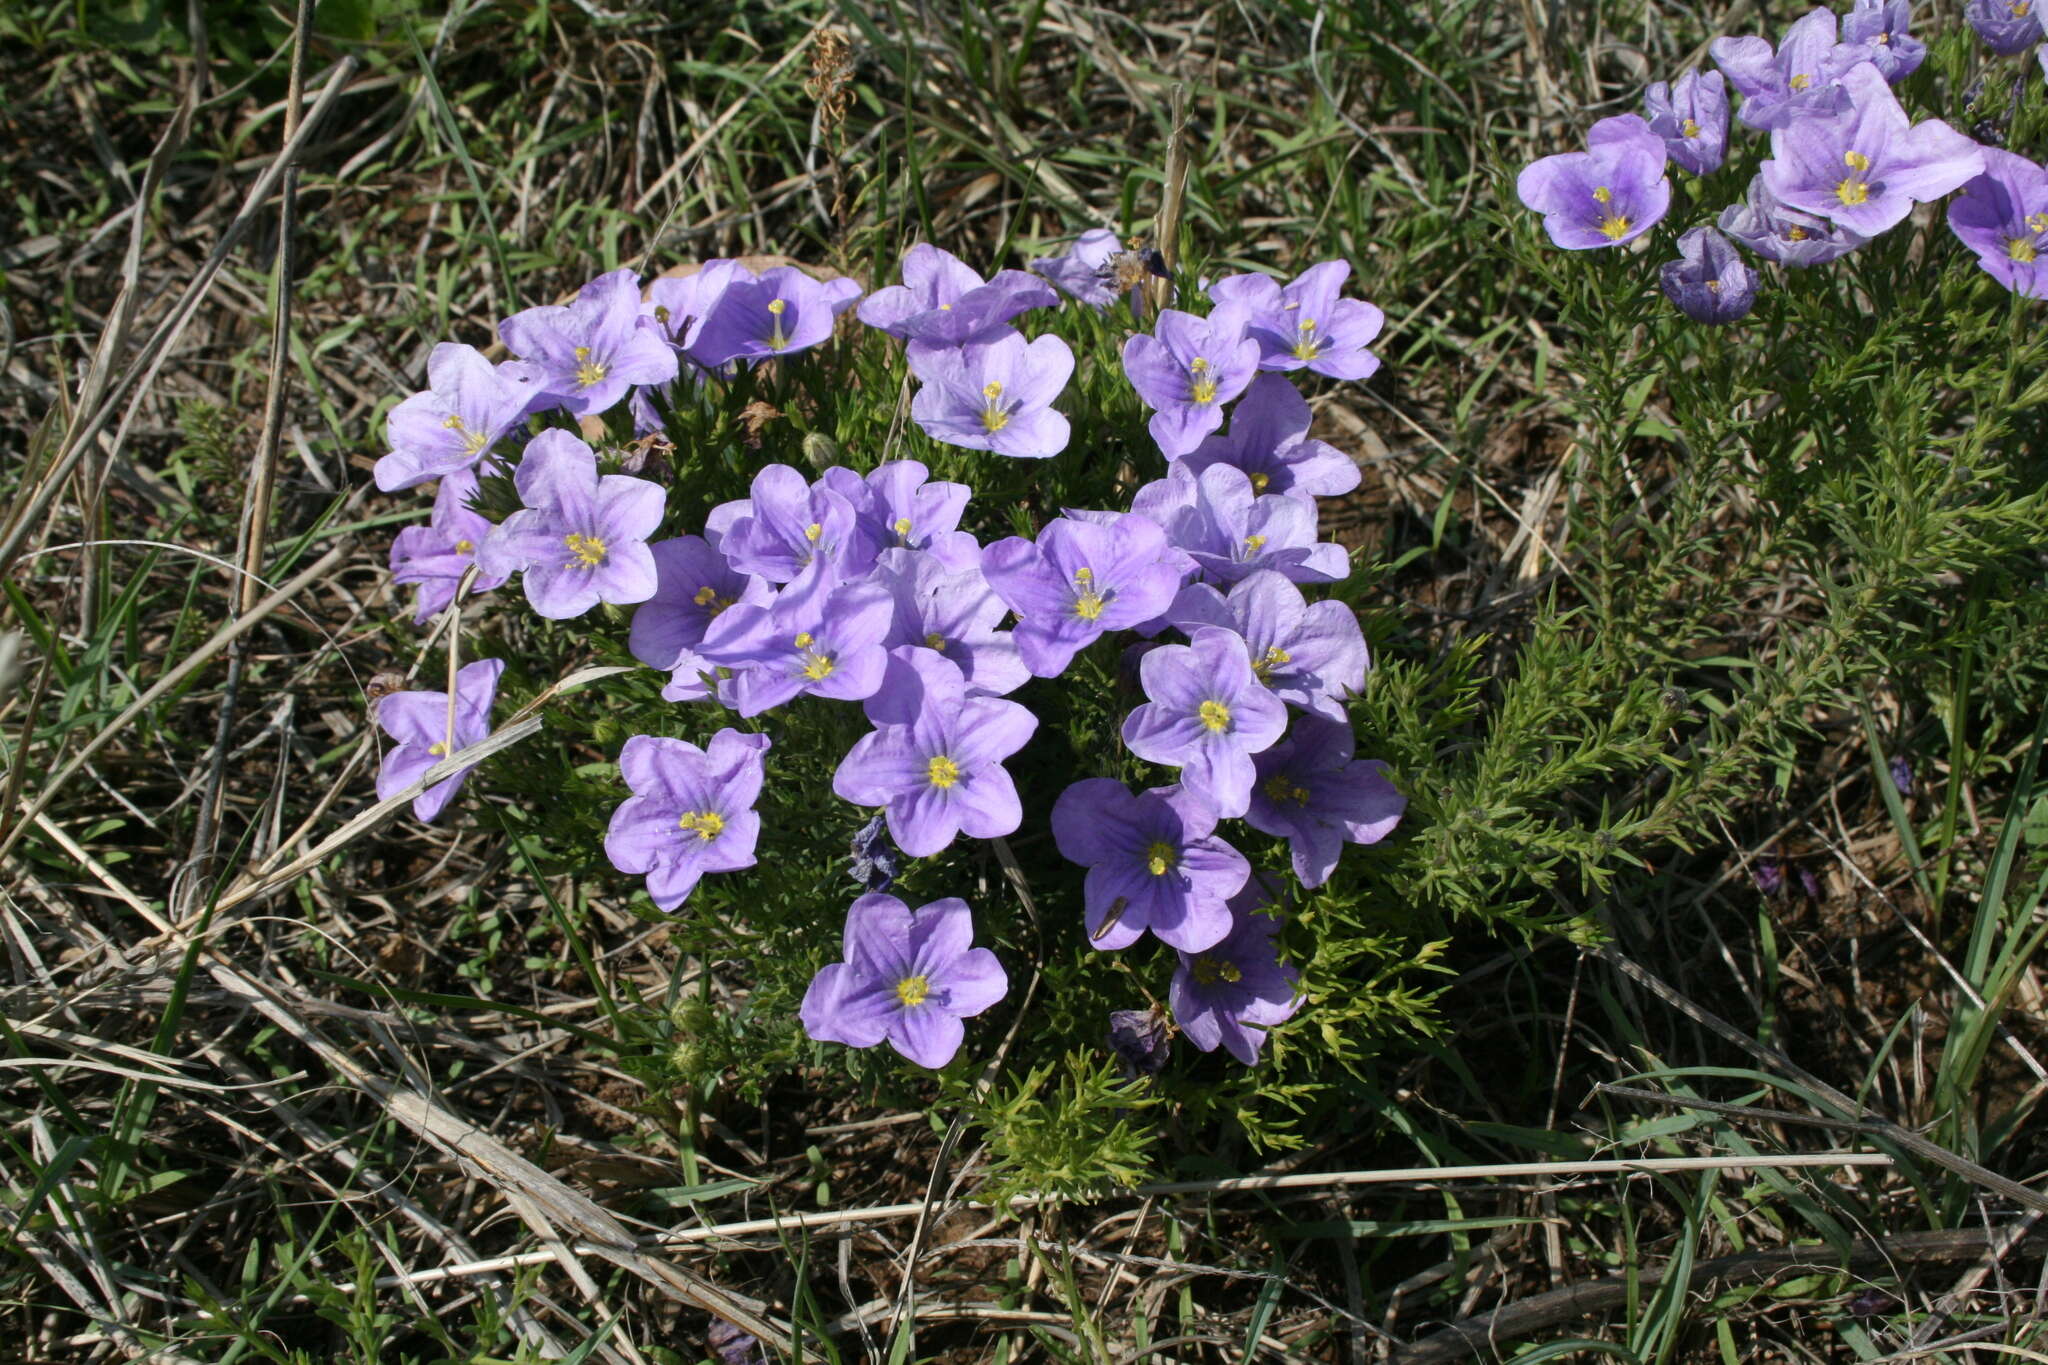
(1797, 79)
(1229, 531)
(1268, 439)
(1154, 862)
(693, 584)
(943, 301)
(1311, 656)
(1188, 371)
(909, 978)
(1305, 324)
(1207, 713)
(593, 349)
(954, 612)
(1901, 773)
(582, 539)
(777, 313)
(1313, 794)
(1709, 283)
(1880, 26)
(1228, 995)
(2006, 26)
(899, 505)
(733, 1345)
(787, 526)
(1785, 235)
(691, 811)
(1084, 269)
(1866, 167)
(1769, 875)
(436, 555)
(1077, 581)
(678, 304)
(469, 406)
(1692, 118)
(817, 637)
(429, 727)
(934, 762)
(874, 863)
(994, 395)
(1611, 193)
(1140, 1040)
(2002, 216)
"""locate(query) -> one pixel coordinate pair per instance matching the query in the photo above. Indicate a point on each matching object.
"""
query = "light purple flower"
(1188, 370)
(468, 407)
(582, 539)
(1785, 235)
(694, 584)
(954, 611)
(943, 301)
(1691, 116)
(817, 638)
(1228, 995)
(1268, 439)
(1311, 656)
(1709, 282)
(691, 811)
(994, 395)
(1611, 193)
(436, 555)
(908, 978)
(2006, 26)
(898, 505)
(1866, 167)
(1077, 581)
(1154, 862)
(1083, 270)
(1207, 713)
(1230, 531)
(778, 313)
(1306, 324)
(1797, 79)
(1312, 793)
(2002, 216)
(428, 729)
(678, 304)
(789, 528)
(934, 762)
(596, 347)
(1881, 26)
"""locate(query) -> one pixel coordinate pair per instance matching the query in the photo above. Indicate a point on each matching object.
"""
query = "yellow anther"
(935, 641)
(776, 306)
(2038, 221)
(777, 338)
(708, 824)
(705, 595)
(942, 771)
(1602, 195)
(661, 314)
(1259, 482)
(453, 423)
(1202, 391)
(1254, 543)
(1689, 128)
(1214, 714)
(1795, 234)
(1852, 192)
(913, 991)
(819, 667)
(437, 749)
(1209, 971)
(1088, 605)
(465, 547)
(813, 531)
(1273, 658)
(804, 640)
(1855, 161)
(1084, 575)
(1279, 789)
(2020, 249)
(902, 527)
(1614, 228)
(1199, 365)
(992, 389)
(1800, 81)
(1161, 858)
(588, 371)
(588, 551)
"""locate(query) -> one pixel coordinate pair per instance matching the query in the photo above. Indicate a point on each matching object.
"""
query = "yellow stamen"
(1602, 195)
(813, 531)
(1254, 543)
(935, 641)
(1795, 234)
(777, 339)
(1273, 658)
(1855, 161)
(465, 547)
(709, 824)
(902, 527)
(1801, 81)
(1160, 858)
(2021, 250)
(1852, 192)
(1208, 971)
(588, 371)
(1614, 228)
(589, 551)
(705, 595)
(1689, 128)
(1214, 714)
(1259, 482)
(804, 640)
(818, 667)
(1279, 789)
(913, 991)
(942, 771)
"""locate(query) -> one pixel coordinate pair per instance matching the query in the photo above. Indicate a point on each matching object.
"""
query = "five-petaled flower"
(591, 350)
(1312, 655)
(2002, 216)
(430, 726)
(1611, 193)
(1780, 233)
(691, 811)
(1207, 714)
(1306, 324)
(436, 555)
(908, 978)
(1796, 79)
(1312, 793)
(1691, 115)
(1077, 581)
(994, 395)
(468, 407)
(1154, 862)
(817, 637)
(582, 538)
(943, 302)
(694, 584)
(1268, 439)
(1228, 995)
(1188, 371)
(1709, 282)
(777, 313)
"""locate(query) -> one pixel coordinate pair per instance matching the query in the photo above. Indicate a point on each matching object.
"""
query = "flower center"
(1795, 234)
(1215, 715)
(1690, 128)
(1614, 227)
(588, 551)
(1087, 601)
(2020, 249)
(942, 771)
(465, 547)
(1279, 789)
(709, 824)
(777, 339)
(1801, 81)
(588, 371)
(902, 528)
(1160, 858)
(1305, 347)
(993, 418)
(1210, 971)
(438, 749)
(813, 531)
(2020, 7)
(1259, 482)
(1852, 192)
(1253, 544)
(1273, 658)
(1201, 388)
(935, 641)
(817, 666)
(913, 991)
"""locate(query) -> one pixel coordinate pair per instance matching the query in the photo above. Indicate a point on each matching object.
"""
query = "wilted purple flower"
(1312, 793)
(1310, 655)
(1709, 282)
(1154, 862)
(1611, 193)
(1783, 234)
(694, 583)
(2002, 216)
(733, 1345)
(788, 526)
(1901, 774)
(1228, 995)
(1306, 324)
(778, 313)
(994, 395)
(591, 350)
(943, 301)
(898, 505)
(691, 811)
(909, 978)
(1077, 581)
(2006, 26)
(436, 555)
(582, 538)
(1230, 531)
(1691, 115)
(817, 637)
(428, 728)
(874, 863)
(1083, 270)
(469, 406)
(1140, 1040)
(678, 304)
(1797, 79)
(1268, 439)
(1867, 166)
(953, 611)
(1809, 883)
(1770, 875)
(1881, 26)
(1187, 371)
(1207, 714)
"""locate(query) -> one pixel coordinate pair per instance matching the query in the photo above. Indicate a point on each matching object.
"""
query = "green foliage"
(1071, 1128)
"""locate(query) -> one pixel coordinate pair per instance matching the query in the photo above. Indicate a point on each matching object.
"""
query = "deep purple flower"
(777, 313)
(596, 347)
(943, 301)
(1691, 115)
(1312, 793)
(1268, 439)
(1228, 995)
(1310, 655)
(1881, 27)
(1207, 714)
(1770, 875)
(909, 978)
(582, 538)
(694, 583)
(1797, 79)
(1611, 193)
(817, 637)
(2002, 216)
(469, 406)
(1783, 234)
(1084, 269)
(1230, 531)
(788, 527)
(953, 611)
(874, 863)
(436, 555)
(1154, 862)
(678, 304)
(898, 505)
(1709, 282)
(1188, 370)
(1140, 1040)
(1077, 581)
(428, 728)
(934, 762)
(691, 811)
(1306, 324)
(2006, 26)
(994, 395)
(1901, 773)
(1867, 166)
